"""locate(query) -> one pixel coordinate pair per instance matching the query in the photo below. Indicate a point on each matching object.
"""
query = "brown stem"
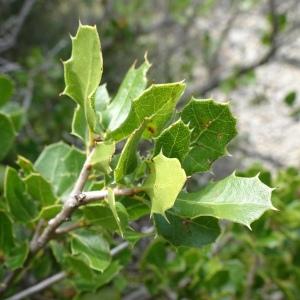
(76, 199)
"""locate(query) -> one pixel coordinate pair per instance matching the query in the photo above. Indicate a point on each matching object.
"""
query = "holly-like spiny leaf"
(164, 183)
(174, 141)
(213, 128)
(237, 199)
(83, 71)
(102, 155)
(180, 231)
(132, 86)
(157, 104)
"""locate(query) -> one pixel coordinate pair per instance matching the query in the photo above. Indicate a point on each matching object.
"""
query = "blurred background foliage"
(243, 51)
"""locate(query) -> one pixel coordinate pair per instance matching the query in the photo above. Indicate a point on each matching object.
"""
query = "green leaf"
(174, 141)
(108, 274)
(92, 247)
(6, 234)
(6, 89)
(135, 209)
(99, 214)
(83, 71)
(85, 279)
(128, 160)
(40, 189)
(190, 233)
(213, 128)
(157, 104)
(83, 276)
(20, 205)
(102, 155)
(17, 256)
(133, 236)
(112, 204)
(164, 183)
(26, 165)
(60, 164)
(102, 98)
(7, 135)
(237, 199)
(79, 126)
(132, 86)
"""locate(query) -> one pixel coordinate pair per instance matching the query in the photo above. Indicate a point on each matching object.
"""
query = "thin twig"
(39, 287)
(71, 227)
(76, 199)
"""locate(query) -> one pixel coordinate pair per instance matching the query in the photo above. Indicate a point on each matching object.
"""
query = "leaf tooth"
(227, 153)
(146, 59)
(233, 174)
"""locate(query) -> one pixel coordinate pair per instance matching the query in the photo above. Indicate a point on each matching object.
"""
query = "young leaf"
(213, 128)
(164, 183)
(6, 234)
(26, 165)
(174, 141)
(157, 104)
(83, 71)
(60, 164)
(7, 135)
(39, 189)
(132, 86)
(6, 89)
(112, 204)
(237, 199)
(92, 247)
(128, 160)
(21, 207)
(102, 156)
(190, 233)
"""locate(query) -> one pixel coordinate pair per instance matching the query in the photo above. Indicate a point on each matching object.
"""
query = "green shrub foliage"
(72, 203)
